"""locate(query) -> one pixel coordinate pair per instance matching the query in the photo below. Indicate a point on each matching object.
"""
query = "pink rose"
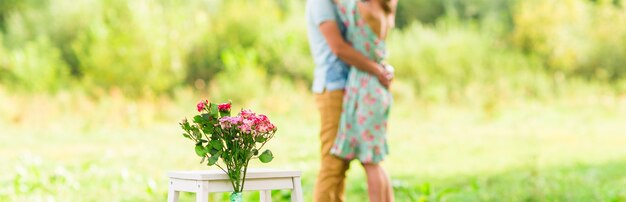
(244, 128)
(225, 122)
(224, 107)
(236, 120)
(201, 105)
(263, 124)
(247, 114)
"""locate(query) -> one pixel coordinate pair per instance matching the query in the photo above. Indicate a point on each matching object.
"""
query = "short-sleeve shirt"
(330, 72)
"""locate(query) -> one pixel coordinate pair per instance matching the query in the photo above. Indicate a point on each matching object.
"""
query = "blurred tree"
(6, 6)
(426, 11)
(429, 11)
(614, 2)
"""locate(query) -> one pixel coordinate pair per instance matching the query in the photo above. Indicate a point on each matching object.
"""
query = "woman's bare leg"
(389, 187)
(379, 186)
(375, 184)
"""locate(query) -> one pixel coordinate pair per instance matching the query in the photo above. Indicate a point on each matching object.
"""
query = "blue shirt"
(330, 72)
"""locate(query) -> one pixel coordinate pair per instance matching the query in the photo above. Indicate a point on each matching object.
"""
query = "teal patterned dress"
(363, 125)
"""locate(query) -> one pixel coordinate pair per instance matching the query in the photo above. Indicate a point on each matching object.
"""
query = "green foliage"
(154, 46)
(574, 36)
(140, 48)
(241, 76)
(445, 50)
(450, 63)
(426, 11)
(273, 44)
(266, 156)
(37, 66)
(430, 11)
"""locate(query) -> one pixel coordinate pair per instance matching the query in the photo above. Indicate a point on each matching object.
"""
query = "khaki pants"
(331, 179)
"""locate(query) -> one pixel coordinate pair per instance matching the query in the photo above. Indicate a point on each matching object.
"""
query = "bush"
(276, 35)
(241, 79)
(140, 48)
(463, 48)
(430, 11)
(574, 36)
(36, 67)
(450, 63)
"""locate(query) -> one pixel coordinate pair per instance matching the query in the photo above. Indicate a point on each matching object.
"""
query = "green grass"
(69, 147)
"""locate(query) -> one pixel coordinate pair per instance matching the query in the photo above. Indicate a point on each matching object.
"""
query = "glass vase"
(236, 197)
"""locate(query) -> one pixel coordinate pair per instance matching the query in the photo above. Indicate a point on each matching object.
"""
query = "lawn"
(70, 147)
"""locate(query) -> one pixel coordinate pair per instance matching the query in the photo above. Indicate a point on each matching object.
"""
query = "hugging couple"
(351, 85)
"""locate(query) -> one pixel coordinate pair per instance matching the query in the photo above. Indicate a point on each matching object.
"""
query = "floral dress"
(363, 125)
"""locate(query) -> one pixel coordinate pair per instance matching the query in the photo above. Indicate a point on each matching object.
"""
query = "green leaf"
(213, 110)
(213, 151)
(217, 144)
(266, 156)
(223, 114)
(203, 157)
(260, 139)
(213, 159)
(200, 151)
(197, 134)
(255, 152)
(185, 125)
(197, 119)
(186, 135)
(207, 129)
(205, 118)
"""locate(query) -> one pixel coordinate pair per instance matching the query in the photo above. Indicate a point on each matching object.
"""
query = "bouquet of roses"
(233, 139)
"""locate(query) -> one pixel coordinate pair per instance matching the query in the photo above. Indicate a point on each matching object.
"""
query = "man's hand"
(384, 77)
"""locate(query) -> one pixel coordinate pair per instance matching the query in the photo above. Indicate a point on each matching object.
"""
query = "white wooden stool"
(203, 182)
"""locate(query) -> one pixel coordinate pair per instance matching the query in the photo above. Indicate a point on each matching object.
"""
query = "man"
(332, 56)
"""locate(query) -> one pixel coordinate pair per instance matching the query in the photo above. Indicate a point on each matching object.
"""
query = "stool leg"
(266, 196)
(172, 194)
(296, 193)
(202, 196)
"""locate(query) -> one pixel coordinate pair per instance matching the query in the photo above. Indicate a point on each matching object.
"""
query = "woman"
(363, 124)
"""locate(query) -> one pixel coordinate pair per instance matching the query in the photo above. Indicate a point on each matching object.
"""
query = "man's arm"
(348, 54)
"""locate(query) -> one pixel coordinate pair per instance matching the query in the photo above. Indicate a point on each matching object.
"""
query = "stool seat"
(203, 182)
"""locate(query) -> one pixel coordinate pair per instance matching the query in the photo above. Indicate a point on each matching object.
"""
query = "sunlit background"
(496, 100)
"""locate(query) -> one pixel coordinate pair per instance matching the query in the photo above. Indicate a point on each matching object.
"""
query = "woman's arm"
(348, 54)
(392, 15)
